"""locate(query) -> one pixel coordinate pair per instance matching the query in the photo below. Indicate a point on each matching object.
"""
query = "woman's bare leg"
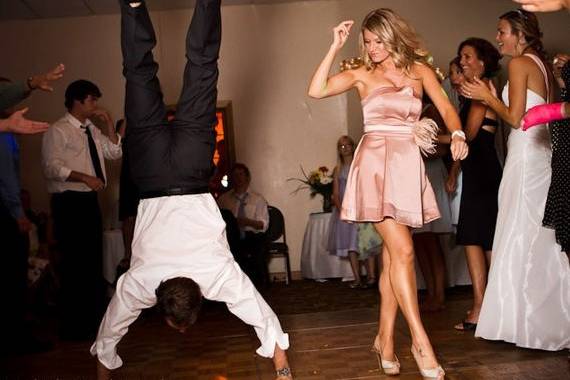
(477, 264)
(398, 240)
(431, 248)
(422, 253)
(437, 264)
(384, 341)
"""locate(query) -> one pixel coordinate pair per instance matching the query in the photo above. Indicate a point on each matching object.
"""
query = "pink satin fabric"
(387, 177)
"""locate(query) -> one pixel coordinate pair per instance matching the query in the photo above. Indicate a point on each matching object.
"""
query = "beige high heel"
(389, 367)
(436, 373)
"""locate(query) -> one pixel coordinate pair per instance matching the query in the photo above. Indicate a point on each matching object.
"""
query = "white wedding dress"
(527, 301)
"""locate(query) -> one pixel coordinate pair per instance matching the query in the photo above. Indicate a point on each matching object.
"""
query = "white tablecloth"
(316, 262)
(113, 252)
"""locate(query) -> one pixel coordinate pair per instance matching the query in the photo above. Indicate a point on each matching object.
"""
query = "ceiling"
(41, 9)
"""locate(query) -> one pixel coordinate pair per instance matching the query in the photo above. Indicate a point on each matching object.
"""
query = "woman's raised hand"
(341, 33)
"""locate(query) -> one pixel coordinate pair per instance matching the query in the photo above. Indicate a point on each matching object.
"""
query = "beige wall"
(268, 54)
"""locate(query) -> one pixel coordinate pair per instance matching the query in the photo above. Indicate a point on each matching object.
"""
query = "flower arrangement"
(318, 182)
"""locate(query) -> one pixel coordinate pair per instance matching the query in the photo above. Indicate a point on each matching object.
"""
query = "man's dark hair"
(80, 90)
(242, 167)
(179, 300)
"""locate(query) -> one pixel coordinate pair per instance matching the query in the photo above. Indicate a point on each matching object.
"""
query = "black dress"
(480, 187)
(557, 213)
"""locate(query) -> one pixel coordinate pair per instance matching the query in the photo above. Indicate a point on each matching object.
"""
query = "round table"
(316, 261)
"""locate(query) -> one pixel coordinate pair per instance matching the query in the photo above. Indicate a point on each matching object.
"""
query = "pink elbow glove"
(542, 114)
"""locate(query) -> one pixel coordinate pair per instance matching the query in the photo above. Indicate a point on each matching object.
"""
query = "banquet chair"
(275, 232)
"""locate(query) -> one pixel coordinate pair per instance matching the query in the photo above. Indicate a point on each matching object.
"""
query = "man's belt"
(174, 191)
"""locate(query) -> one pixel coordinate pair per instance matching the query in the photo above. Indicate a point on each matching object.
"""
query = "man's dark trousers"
(171, 158)
(78, 232)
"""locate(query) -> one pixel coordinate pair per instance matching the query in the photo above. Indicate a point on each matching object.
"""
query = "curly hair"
(486, 52)
(398, 37)
(352, 63)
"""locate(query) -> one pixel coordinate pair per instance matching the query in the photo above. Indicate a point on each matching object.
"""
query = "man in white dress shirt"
(250, 211)
(180, 251)
(73, 153)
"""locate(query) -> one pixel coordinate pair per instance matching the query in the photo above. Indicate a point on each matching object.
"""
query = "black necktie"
(241, 211)
(94, 155)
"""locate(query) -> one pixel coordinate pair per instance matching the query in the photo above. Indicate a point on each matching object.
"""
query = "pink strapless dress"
(387, 177)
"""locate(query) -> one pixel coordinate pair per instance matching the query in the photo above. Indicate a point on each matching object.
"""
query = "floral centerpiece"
(317, 182)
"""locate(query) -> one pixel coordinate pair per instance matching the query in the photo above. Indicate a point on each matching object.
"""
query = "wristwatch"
(459, 133)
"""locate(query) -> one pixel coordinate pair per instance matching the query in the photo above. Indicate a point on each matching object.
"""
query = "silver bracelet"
(459, 133)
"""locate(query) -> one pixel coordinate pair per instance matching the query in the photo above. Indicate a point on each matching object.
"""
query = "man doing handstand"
(180, 251)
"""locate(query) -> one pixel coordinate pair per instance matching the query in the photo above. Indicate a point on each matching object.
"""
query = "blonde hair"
(340, 158)
(351, 64)
(398, 37)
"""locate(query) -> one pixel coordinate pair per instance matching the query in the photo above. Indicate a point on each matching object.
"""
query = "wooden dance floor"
(331, 329)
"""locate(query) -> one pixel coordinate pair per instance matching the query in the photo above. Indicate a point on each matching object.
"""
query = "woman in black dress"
(481, 174)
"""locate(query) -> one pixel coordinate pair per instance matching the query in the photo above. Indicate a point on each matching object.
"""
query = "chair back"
(276, 227)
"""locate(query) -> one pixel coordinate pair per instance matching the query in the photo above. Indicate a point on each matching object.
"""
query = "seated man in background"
(180, 251)
(250, 210)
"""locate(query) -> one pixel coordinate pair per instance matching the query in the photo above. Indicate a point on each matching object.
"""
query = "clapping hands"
(477, 89)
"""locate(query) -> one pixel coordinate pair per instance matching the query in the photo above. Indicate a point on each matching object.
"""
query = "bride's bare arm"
(518, 79)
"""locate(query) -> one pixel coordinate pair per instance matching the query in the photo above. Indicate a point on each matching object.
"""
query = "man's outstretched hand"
(17, 123)
(43, 81)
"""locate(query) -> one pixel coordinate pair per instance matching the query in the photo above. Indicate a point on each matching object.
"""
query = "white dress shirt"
(183, 236)
(65, 149)
(255, 207)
